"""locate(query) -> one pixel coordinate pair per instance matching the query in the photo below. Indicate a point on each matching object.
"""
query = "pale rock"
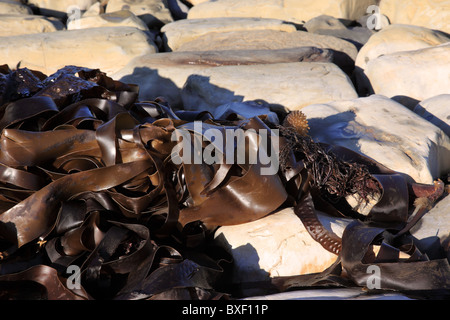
(14, 7)
(437, 111)
(327, 25)
(14, 25)
(323, 22)
(61, 8)
(93, 10)
(433, 229)
(277, 245)
(292, 85)
(297, 11)
(182, 31)
(330, 294)
(385, 131)
(123, 18)
(155, 13)
(413, 75)
(196, 2)
(374, 20)
(398, 37)
(344, 51)
(165, 73)
(433, 14)
(108, 49)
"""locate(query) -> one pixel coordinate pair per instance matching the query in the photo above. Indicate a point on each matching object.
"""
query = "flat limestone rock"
(13, 7)
(277, 245)
(297, 11)
(107, 49)
(436, 110)
(344, 52)
(153, 12)
(327, 25)
(291, 85)
(417, 75)
(433, 14)
(433, 229)
(59, 8)
(164, 74)
(14, 25)
(385, 131)
(399, 37)
(179, 32)
(122, 18)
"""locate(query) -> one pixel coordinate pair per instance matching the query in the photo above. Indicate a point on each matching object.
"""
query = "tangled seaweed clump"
(87, 180)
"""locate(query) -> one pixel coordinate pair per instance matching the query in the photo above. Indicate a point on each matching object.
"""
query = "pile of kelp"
(94, 207)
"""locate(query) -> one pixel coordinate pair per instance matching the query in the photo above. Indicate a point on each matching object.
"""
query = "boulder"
(433, 14)
(385, 131)
(155, 13)
(182, 31)
(344, 52)
(324, 22)
(433, 230)
(398, 37)
(276, 245)
(14, 25)
(14, 7)
(122, 18)
(93, 10)
(297, 11)
(165, 73)
(292, 85)
(411, 75)
(61, 8)
(108, 49)
(196, 2)
(327, 25)
(437, 111)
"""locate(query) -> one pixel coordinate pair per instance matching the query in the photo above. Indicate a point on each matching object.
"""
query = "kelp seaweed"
(87, 179)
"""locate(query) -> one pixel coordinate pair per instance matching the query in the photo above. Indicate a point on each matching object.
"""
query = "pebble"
(380, 90)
